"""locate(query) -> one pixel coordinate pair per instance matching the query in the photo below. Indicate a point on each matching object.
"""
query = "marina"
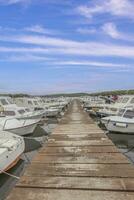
(66, 100)
(79, 161)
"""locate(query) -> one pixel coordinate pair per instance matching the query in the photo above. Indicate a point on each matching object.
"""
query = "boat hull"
(120, 127)
(25, 130)
(11, 158)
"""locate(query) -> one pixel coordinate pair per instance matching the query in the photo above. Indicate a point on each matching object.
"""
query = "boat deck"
(79, 162)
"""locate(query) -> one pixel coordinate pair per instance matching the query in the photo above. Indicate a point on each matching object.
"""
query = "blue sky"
(56, 46)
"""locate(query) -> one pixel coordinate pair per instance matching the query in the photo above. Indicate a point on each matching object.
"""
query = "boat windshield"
(129, 114)
(3, 102)
(121, 111)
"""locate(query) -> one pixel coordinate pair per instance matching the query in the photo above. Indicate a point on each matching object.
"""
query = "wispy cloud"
(40, 29)
(11, 2)
(86, 30)
(54, 45)
(25, 58)
(120, 8)
(88, 63)
(111, 30)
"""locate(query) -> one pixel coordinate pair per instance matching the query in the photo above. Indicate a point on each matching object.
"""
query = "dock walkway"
(78, 163)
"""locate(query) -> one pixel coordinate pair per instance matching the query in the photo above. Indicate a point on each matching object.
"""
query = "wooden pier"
(78, 163)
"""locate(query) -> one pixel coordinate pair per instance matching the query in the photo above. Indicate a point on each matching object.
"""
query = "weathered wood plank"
(92, 158)
(78, 183)
(100, 142)
(87, 170)
(78, 150)
(51, 194)
(78, 137)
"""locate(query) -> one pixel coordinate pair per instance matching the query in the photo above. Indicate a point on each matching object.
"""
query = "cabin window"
(132, 101)
(4, 102)
(21, 111)
(8, 113)
(125, 100)
(30, 102)
(129, 114)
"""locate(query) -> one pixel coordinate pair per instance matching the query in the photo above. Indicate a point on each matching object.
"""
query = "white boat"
(123, 123)
(8, 108)
(113, 109)
(11, 148)
(21, 113)
(32, 103)
(95, 103)
(19, 127)
(36, 104)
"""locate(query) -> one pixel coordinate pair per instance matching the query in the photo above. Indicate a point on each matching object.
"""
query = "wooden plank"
(100, 142)
(75, 151)
(76, 132)
(92, 158)
(78, 183)
(51, 194)
(78, 137)
(85, 170)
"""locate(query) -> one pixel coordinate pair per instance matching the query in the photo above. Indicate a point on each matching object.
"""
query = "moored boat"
(123, 123)
(19, 127)
(11, 148)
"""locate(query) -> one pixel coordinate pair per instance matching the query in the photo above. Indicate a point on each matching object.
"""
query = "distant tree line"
(15, 95)
(104, 93)
(115, 92)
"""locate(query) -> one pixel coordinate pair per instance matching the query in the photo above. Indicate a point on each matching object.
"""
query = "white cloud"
(86, 30)
(40, 29)
(120, 8)
(25, 58)
(89, 63)
(111, 30)
(10, 2)
(55, 46)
